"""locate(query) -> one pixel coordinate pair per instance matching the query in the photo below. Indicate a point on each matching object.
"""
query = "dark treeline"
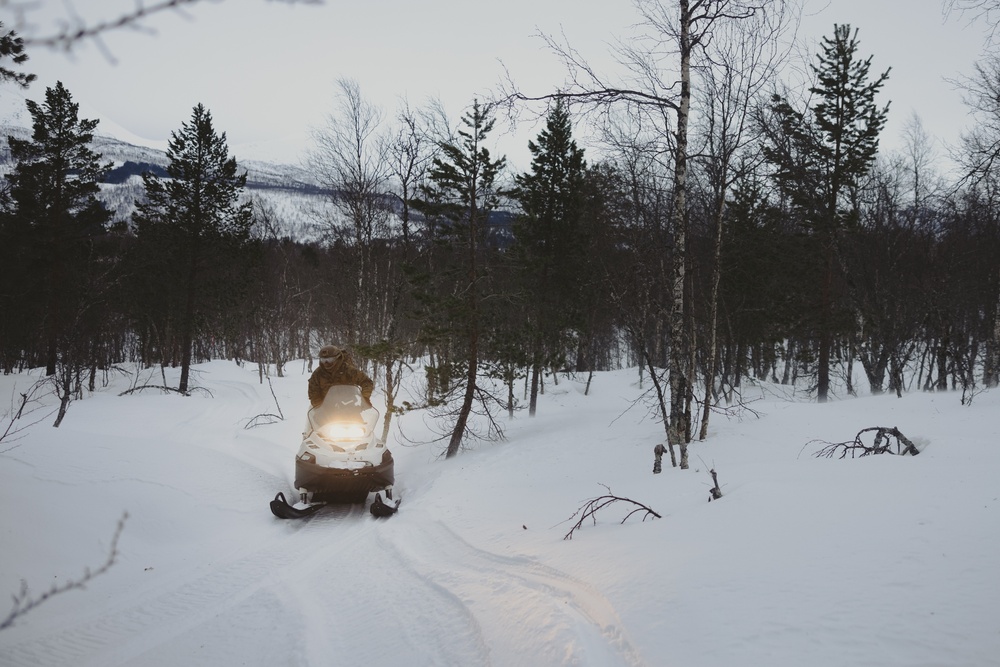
(804, 251)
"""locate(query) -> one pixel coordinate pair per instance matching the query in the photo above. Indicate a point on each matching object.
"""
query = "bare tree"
(986, 10)
(660, 64)
(351, 158)
(741, 61)
(980, 158)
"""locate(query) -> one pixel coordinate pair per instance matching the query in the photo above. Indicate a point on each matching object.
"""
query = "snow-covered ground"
(883, 560)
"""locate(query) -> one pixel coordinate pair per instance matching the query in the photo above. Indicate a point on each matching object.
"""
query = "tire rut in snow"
(365, 605)
(527, 612)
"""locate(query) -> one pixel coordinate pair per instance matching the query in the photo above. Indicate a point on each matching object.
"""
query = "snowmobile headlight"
(343, 431)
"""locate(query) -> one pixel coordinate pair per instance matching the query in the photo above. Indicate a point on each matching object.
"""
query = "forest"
(728, 227)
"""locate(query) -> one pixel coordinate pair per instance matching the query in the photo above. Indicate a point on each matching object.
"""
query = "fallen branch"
(23, 602)
(267, 417)
(161, 387)
(592, 506)
(887, 440)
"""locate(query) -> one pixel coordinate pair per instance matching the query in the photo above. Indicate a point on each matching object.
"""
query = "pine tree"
(550, 241)
(53, 218)
(192, 216)
(12, 46)
(462, 193)
(820, 155)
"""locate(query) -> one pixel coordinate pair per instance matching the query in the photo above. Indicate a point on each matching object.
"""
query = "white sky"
(267, 70)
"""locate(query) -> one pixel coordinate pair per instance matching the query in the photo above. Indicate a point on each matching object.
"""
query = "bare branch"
(161, 387)
(23, 602)
(74, 28)
(28, 403)
(591, 507)
(887, 440)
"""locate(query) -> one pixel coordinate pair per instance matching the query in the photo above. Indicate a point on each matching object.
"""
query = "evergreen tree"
(550, 242)
(820, 155)
(462, 193)
(12, 46)
(192, 219)
(52, 220)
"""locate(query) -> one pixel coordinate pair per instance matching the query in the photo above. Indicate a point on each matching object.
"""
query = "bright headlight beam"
(343, 431)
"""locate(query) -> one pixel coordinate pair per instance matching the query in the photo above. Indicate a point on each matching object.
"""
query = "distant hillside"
(294, 199)
(288, 191)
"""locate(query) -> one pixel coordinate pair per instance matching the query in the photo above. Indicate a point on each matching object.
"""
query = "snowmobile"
(340, 460)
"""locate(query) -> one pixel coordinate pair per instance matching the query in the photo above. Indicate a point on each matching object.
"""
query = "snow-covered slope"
(882, 561)
(287, 189)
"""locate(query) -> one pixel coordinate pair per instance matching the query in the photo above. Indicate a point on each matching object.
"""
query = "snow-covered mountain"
(289, 191)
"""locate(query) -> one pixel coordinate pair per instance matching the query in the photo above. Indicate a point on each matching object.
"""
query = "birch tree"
(659, 87)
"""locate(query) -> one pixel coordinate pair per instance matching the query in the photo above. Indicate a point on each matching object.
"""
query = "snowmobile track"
(208, 594)
(532, 613)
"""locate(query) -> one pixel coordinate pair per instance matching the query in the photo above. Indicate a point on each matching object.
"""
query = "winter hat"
(330, 351)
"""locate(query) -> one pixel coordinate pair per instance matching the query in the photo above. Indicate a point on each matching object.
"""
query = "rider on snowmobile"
(336, 367)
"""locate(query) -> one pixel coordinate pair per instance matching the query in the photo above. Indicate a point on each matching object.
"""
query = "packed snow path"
(338, 588)
(884, 561)
(408, 593)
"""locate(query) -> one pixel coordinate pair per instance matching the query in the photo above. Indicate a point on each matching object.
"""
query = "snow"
(884, 560)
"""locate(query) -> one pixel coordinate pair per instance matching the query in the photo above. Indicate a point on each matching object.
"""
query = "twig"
(592, 506)
(161, 387)
(882, 444)
(263, 419)
(76, 30)
(23, 602)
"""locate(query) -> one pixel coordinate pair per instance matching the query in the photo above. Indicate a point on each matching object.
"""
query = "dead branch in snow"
(592, 506)
(267, 417)
(887, 440)
(23, 602)
(658, 458)
(161, 387)
(715, 492)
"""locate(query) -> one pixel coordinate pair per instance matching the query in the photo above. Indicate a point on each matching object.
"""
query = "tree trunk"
(536, 370)
(713, 317)
(187, 325)
(679, 373)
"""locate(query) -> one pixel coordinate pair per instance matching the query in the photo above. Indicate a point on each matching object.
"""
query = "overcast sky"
(267, 70)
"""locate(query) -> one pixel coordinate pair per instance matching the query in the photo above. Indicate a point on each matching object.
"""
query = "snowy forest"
(645, 354)
(727, 225)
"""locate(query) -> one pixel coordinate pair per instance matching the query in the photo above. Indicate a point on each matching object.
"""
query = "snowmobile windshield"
(343, 414)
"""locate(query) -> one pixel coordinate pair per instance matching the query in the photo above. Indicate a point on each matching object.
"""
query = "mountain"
(288, 191)
(294, 199)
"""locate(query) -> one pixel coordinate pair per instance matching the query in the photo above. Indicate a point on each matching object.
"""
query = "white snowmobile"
(340, 460)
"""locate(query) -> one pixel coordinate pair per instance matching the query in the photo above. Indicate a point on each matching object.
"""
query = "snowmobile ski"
(281, 509)
(381, 509)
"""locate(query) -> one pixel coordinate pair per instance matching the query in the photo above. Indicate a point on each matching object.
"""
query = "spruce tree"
(52, 220)
(550, 241)
(191, 219)
(821, 154)
(463, 191)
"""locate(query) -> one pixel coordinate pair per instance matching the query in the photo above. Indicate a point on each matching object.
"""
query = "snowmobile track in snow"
(177, 603)
(530, 613)
(426, 594)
